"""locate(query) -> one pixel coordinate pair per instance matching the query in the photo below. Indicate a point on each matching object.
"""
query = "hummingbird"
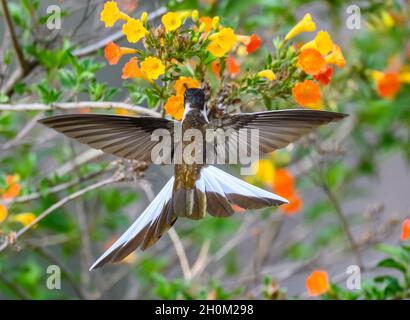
(195, 188)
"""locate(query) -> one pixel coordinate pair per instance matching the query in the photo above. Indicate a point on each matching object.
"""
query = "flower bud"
(202, 27)
(215, 23)
(195, 15)
(144, 17)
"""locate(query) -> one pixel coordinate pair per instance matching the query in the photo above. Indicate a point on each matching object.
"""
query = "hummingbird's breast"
(193, 149)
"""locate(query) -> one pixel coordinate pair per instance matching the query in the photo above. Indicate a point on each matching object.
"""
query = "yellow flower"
(195, 15)
(110, 14)
(171, 21)
(184, 14)
(336, 57)
(222, 42)
(376, 75)
(152, 67)
(322, 43)
(267, 74)
(304, 25)
(185, 82)
(215, 22)
(264, 171)
(3, 213)
(134, 30)
(387, 19)
(175, 106)
(404, 77)
(25, 218)
(216, 49)
(226, 37)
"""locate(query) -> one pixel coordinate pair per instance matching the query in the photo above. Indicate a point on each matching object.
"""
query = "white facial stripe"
(187, 108)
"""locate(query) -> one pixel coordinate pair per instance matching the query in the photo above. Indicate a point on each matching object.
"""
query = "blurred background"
(351, 179)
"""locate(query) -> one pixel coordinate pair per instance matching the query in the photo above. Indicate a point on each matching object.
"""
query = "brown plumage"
(196, 188)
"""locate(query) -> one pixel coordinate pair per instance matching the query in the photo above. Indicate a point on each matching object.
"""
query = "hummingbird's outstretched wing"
(277, 128)
(122, 136)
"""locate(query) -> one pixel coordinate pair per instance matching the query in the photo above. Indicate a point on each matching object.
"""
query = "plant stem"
(16, 45)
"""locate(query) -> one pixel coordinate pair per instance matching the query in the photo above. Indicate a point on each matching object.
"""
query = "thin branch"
(23, 132)
(200, 262)
(78, 105)
(16, 45)
(179, 248)
(55, 189)
(343, 221)
(58, 204)
(321, 182)
(78, 161)
(18, 291)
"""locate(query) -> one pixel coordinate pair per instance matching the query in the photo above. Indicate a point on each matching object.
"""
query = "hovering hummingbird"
(195, 188)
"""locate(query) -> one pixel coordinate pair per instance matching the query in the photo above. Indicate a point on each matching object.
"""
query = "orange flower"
(294, 206)
(306, 93)
(237, 208)
(388, 85)
(131, 69)
(207, 21)
(317, 283)
(216, 69)
(325, 75)
(284, 183)
(124, 112)
(84, 110)
(113, 52)
(128, 5)
(185, 82)
(311, 61)
(232, 65)
(254, 43)
(3, 213)
(13, 188)
(405, 230)
(336, 57)
(175, 106)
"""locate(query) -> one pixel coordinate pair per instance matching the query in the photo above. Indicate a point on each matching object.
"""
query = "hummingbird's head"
(194, 98)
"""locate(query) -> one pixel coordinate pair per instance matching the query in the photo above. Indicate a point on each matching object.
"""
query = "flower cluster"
(9, 190)
(169, 47)
(315, 59)
(185, 46)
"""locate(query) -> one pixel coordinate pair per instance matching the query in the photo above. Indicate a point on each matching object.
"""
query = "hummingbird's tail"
(145, 231)
(223, 190)
(215, 192)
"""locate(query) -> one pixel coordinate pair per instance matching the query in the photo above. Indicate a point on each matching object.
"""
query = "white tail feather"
(147, 217)
(216, 180)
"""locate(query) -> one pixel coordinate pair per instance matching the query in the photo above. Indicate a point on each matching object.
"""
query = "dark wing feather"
(278, 128)
(122, 136)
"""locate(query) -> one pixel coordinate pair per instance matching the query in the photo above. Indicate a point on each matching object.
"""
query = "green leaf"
(398, 253)
(392, 264)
